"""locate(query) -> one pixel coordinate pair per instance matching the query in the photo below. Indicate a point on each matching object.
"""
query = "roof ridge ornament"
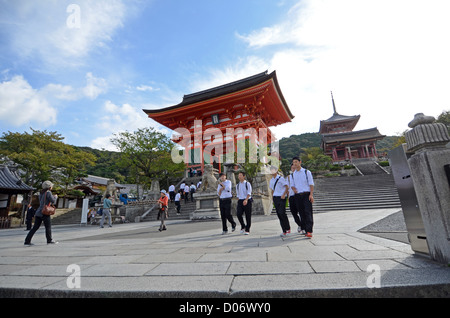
(334, 105)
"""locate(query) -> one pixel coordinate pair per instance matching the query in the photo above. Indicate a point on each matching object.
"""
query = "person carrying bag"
(45, 199)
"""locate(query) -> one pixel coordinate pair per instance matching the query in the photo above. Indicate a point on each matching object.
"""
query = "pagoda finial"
(334, 106)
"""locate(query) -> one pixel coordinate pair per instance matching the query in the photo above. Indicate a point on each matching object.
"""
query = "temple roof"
(206, 100)
(328, 125)
(352, 136)
(11, 182)
(338, 117)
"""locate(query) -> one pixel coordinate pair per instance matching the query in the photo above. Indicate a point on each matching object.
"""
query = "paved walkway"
(195, 260)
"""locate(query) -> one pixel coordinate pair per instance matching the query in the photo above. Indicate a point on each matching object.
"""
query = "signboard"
(84, 211)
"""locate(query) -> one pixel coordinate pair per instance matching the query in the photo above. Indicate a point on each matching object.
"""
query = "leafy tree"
(314, 159)
(43, 155)
(444, 118)
(147, 153)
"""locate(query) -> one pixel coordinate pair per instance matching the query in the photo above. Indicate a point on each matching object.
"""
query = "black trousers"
(305, 209)
(280, 207)
(294, 211)
(225, 213)
(178, 205)
(37, 224)
(247, 209)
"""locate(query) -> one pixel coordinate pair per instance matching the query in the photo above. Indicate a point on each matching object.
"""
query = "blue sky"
(87, 68)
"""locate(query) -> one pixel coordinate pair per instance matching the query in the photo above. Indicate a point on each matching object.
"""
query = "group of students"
(298, 187)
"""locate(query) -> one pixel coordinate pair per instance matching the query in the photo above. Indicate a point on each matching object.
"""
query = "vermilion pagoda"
(340, 142)
(254, 102)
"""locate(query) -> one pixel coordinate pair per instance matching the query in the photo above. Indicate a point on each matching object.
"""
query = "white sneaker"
(247, 233)
(242, 231)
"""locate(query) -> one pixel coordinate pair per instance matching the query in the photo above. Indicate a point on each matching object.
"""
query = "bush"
(335, 168)
(384, 163)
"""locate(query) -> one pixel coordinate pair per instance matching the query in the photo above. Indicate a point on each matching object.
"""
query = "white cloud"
(385, 60)
(33, 34)
(94, 86)
(146, 88)
(118, 118)
(21, 104)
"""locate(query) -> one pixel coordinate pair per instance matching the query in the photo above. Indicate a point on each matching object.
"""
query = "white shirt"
(289, 180)
(302, 180)
(243, 189)
(280, 189)
(186, 188)
(182, 186)
(177, 196)
(172, 188)
(226, 193)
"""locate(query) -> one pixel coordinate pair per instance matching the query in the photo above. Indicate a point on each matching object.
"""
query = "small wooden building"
(10, 184)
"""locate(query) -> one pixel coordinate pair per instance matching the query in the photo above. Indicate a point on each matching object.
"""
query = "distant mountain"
(291, 146)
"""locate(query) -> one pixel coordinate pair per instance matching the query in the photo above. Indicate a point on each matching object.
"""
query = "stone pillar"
(427, 140)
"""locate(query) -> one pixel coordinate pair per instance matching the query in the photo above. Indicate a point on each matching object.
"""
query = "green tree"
(314, 159)
(43, 155)
(444, 118)
(148, 154)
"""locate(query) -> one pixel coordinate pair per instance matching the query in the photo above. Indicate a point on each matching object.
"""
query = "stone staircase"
(70, 217)
(185, 213)
(368, 167)
(373, 191)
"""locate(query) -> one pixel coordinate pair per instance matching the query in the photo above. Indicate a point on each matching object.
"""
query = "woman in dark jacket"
(45, 197)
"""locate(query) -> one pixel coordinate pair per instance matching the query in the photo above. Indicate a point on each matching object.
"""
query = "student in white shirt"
(192, 190)
(244, 194)
(182, 186)
(186, 193)
(177, 201)
(172, 192)
(224, 192)
(292, 205)
(280, 190)
(303, 187)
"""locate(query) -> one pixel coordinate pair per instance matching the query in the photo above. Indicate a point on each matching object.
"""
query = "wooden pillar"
(334, 154)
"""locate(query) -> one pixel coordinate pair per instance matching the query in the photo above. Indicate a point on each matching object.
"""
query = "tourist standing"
(292, 205)
(163, 209)
(225, 197)
(106, 211)
(244, 194)
(280, 190)
(303, 187)
(45, 197)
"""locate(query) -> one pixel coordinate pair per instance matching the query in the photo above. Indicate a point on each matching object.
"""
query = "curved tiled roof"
(9, 180)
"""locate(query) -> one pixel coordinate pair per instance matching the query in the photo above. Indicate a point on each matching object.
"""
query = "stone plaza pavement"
(193, 259)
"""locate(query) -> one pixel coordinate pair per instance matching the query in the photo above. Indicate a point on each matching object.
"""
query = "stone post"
(427, 140)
